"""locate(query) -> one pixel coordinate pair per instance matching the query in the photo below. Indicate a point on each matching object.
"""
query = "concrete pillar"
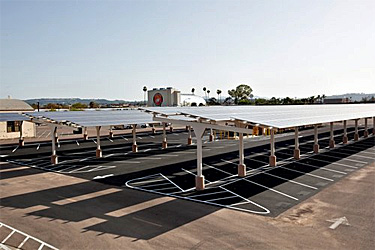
(56, 137)
(54, 158)
(85, 136)
(297, 152)
(272, 158)
(110, 132)
(211, 134)
(134, 146)
(316, 144)
(21, 141)
(171, 128)
(365, 133)
(98, 148)
(331, 137)
(241, 166)
(345, 137)
(164, 143)
(199, 180)
(356, 135)
(190, 140)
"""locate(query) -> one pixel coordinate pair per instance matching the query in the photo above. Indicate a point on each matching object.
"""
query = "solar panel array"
(97, 118)
(4, 117)
(281, 116)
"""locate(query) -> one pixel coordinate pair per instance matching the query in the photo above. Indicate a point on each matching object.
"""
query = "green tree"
(93, 105)
(218, 92)
(242, 91)
(193, 90)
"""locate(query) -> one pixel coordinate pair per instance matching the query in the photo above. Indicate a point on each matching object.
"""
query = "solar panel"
(4, 117)
(98, 118)
(281, 116)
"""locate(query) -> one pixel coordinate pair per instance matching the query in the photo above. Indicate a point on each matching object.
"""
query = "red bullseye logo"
(158, 99)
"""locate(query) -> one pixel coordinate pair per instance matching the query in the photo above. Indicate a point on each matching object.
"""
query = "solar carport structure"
(238, 119)
(96, 119)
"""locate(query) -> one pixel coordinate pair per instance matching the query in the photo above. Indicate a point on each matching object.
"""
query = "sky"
(111, 49)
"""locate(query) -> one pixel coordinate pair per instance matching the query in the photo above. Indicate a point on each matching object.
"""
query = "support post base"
(153, 131)
(164, 145)
(241, 170)
(99, 153)
(110, 135)
(21, 142)
(54, 159)
(134, 148)
(85, 137)
(331, 143)
(297, 154)
(365, 134)
(356, 137)
(316, 148)
(171, 129)
(345, 140)
(272, 161)
(190, 141)
(211, 137)
(199, 183)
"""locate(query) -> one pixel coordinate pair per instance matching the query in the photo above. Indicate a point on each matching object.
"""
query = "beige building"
(164, 97)
(10, 127)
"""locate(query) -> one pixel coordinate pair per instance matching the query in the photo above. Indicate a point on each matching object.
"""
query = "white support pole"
(297, 153)
(211, 135)
(199, 181)
(272, 159)
(190, 140)
(365, 133)
(56, 136)
(316, 143)
(331, 137)
(54, 159)
(110, 132)
(134, 146)
(98, 148)
(153, 129)
(171, 128)
(85, 136)
(164, 143)
(356, 135)
(241, 166)
(21, 140)
(345, 137)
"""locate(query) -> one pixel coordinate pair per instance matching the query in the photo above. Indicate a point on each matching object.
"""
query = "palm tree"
(218, 92)
(193, 90)
(204, 89)
(208, 93)
(144, 94)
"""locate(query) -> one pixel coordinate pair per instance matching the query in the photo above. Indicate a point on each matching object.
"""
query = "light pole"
(144, 94)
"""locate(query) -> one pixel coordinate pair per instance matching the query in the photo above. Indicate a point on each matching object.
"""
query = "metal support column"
(331, 137)
(365, 134)
(297, 153)
(356, 135)
(54, 158)
(272, 159)
(316, 143)
(110, 132)
(345, 137)
(199, 180)
(211, 135)
(134, 146)
(85, 136)
(164, 144)
(190, 140)
(21, 141)
(98, 148)
(241, 166)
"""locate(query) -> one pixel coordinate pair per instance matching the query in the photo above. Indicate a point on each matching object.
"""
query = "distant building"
(336, 100)
(170, 97)
(11, 129)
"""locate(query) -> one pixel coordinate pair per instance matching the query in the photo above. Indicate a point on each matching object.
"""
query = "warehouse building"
(170, 97)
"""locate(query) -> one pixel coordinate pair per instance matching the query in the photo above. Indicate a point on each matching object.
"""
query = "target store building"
(170, 97)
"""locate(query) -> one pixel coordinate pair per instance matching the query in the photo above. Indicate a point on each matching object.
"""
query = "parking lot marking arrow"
(338, 221)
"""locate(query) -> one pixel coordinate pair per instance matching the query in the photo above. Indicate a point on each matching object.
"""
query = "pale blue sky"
(111, 49)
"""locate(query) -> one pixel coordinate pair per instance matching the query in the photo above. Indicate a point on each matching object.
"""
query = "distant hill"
(354, 97)
(70, 101)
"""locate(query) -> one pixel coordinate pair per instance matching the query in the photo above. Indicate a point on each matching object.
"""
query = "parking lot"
(171, 172)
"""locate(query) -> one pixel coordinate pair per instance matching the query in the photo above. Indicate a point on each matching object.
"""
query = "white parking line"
(222, 198)
(334, 163)
(14, 150)
(346, 159)
(37, 148)
(77, 143)
(171, 182)
(126, 139)
(295, 182)
(313, 175)
(354, 155)
(110, 139)
(323, 168)
(199, 195)
(94, 141)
